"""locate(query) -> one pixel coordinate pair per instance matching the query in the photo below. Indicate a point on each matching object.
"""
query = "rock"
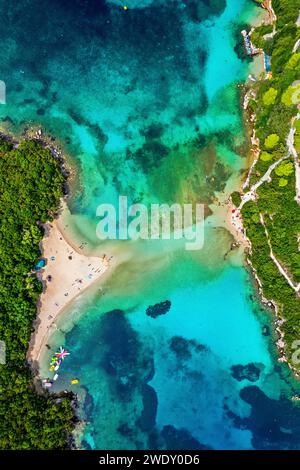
(249, 372)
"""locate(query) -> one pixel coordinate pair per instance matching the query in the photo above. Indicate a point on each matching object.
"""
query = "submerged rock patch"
(156, 310)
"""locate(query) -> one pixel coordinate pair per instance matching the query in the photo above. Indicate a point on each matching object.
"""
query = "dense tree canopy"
(275, 107)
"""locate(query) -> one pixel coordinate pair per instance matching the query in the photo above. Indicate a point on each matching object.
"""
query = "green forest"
(276, 107)
(31, 185)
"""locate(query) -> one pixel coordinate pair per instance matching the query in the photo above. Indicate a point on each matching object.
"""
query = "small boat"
(47, 383)
(74, 381)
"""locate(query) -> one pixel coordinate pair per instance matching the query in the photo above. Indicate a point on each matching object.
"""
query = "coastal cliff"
(269, 201)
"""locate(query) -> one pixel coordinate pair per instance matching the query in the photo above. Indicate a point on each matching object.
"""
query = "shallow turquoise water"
(146, 101)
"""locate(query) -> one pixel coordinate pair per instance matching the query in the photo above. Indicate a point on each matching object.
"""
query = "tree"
(271, 141)
(269, 97)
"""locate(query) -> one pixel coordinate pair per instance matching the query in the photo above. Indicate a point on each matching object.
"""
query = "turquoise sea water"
(146, 102)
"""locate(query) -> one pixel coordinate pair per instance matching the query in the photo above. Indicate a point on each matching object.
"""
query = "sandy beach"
(234, 222)
(227, 216)
(66, 275)
(68, 272)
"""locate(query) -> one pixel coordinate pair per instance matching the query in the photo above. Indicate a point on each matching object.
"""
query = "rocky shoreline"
(47, 142)
(37, 134)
